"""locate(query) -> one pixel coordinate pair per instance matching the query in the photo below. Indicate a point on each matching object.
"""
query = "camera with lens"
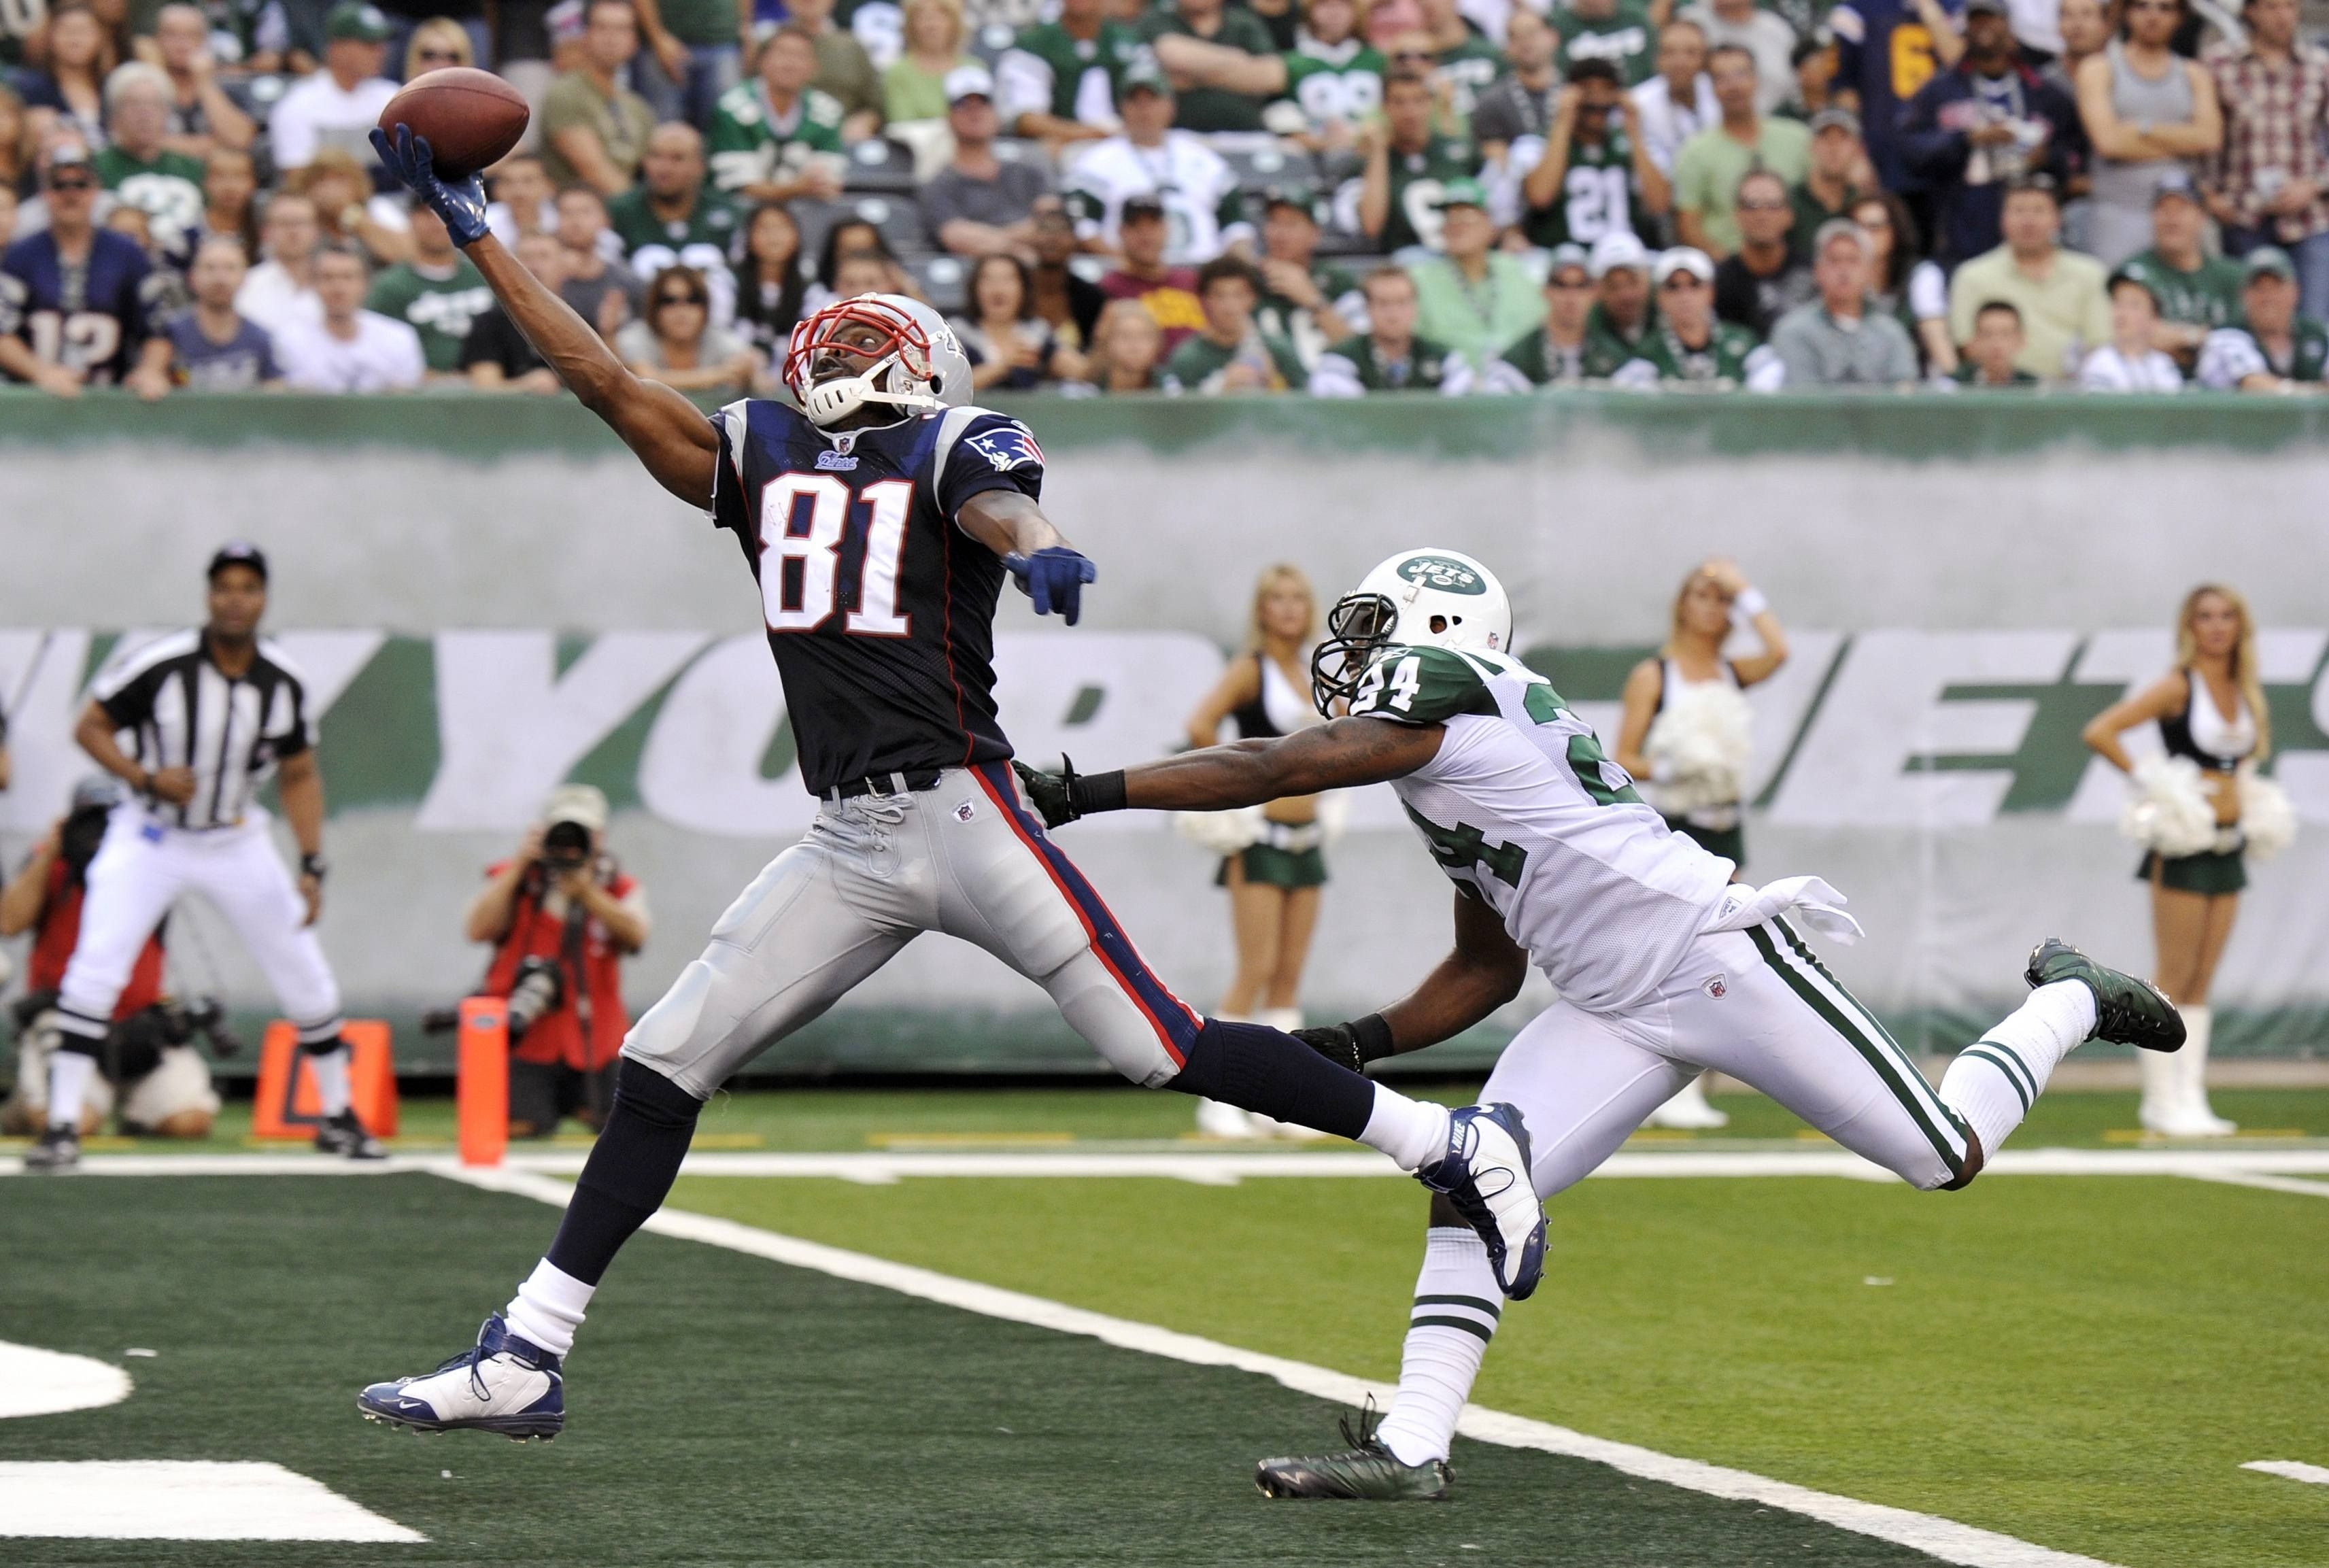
(534, 991)
(565, 848)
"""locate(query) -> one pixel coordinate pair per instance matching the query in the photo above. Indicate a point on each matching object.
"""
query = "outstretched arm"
(1340, 755)
(675, 441)
(1049, 569)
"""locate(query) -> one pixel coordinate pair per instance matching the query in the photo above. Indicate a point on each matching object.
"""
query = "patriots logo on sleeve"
(1007, 448)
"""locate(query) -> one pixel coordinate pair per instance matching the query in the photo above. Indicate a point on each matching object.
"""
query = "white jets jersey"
(1193, 182)
(1521, 807)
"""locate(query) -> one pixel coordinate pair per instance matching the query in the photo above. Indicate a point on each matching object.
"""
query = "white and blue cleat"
(502, 1384)
(1485, 1174)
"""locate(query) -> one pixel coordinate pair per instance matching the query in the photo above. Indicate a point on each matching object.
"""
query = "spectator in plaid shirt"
(2266, 187)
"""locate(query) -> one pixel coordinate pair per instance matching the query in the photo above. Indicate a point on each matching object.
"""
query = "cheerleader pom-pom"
(2166, 809)
(1221, 832)
(1701, 745)
(2267, 820)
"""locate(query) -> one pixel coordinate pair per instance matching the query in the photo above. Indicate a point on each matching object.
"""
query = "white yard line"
(1942, 1538)
(2292, 1469)
(2248, 1167)
(2271, 1184)
(180, 1500)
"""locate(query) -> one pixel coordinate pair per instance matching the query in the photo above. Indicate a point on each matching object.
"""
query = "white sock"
(69, 1076)
(1994, 1081)
(1413, 1132)
(1284, 1020)
(548, 1308)
(1456, 1305)
(331, 1071)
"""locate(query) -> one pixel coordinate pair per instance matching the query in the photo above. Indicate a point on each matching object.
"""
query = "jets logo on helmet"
(875, 349)
(1417, 598)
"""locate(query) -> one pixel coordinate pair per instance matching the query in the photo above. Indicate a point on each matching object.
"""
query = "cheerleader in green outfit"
(2201, 811)
(1684, 735)
(1274, 864)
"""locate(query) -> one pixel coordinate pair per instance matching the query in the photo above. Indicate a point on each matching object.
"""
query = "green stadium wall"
(493, 597)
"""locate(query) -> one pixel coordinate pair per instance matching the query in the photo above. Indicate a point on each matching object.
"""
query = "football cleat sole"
(516, 1428)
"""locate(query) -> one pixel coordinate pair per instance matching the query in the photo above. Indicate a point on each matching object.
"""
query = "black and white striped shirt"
(186, 714)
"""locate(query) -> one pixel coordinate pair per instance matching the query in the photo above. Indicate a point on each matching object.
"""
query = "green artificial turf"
(2080, 1362)
(727, 1410)
(826, 1119)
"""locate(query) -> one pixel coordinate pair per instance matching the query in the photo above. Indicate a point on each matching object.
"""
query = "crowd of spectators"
(1201, 196)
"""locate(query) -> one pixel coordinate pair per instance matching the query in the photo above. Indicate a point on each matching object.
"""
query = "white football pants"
(145, 866)
(1756, 1005)
(966, 857)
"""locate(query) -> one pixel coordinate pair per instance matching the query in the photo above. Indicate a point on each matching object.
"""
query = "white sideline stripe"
(181, 1500)
(2271, 1184)
(1942, 1538)
(37, 1382)
(1213, 1169)
(2292, 1469)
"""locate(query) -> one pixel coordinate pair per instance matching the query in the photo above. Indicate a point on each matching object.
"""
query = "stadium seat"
(1265, 161)
(880, 166)
(988, 44)
(945, 281)
(898, 218)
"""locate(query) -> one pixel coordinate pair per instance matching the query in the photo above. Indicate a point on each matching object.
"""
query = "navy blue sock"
(629, 1172)
(1259, 1069)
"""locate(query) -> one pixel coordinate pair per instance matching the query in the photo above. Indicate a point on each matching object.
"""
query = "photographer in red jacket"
(562, 916)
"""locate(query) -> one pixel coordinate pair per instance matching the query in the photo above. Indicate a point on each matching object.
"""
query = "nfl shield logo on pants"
(1716, 987)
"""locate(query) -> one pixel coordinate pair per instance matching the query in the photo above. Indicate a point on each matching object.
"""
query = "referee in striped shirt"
(213, 714)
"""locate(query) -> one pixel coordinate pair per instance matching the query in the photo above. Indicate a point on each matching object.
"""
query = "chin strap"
(844, 395)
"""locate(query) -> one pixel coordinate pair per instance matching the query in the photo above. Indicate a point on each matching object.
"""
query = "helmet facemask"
(1358, 628)
(899, 374)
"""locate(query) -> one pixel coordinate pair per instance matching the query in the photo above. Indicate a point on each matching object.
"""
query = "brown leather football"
(471, 118)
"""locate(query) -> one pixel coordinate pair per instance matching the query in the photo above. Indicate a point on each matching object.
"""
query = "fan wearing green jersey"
(2274, 350)
(776, 137)
(1234, 28)
(2197, 293)
(1061, 83)
(1625, 32)
(1389, 356)
(1592, 175)
(1322, 87)
(1663, 967)
(1553, 355)
(1409, 165)
(1687, 345)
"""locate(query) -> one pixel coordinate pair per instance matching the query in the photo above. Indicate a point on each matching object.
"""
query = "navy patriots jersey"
(91, 317)
(880, 610)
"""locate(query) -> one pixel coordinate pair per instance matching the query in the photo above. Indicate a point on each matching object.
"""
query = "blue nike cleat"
(502, 1384)
(1485, 1174)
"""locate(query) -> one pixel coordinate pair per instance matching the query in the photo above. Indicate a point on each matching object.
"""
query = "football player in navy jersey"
(74, 298)
(879, 517)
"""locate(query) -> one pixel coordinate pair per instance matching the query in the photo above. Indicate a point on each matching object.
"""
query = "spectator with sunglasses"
(1766, 277)
(1711, 164)
(1553, 356)
(676, 344)
(1688, 344)
(435, 43)
(75, 299)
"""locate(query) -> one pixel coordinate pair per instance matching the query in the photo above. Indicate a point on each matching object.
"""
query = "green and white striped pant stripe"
(1793, 963)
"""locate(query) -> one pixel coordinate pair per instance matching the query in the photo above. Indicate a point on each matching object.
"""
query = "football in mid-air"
(471, 119)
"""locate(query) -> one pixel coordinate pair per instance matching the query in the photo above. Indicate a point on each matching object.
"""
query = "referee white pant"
(142, 868)
(1756, 1005)
(964, 856)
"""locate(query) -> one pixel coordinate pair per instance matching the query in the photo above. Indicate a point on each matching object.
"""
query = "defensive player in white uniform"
(214, 713)
(1664, 967)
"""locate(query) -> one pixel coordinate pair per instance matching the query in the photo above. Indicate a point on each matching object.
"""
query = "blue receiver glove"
(1054, 578)
(462, 203)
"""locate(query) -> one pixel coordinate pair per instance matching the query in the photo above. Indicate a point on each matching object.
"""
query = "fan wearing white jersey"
(1664, 967)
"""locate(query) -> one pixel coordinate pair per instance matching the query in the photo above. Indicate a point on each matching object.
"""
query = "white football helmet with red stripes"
(875, 348)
